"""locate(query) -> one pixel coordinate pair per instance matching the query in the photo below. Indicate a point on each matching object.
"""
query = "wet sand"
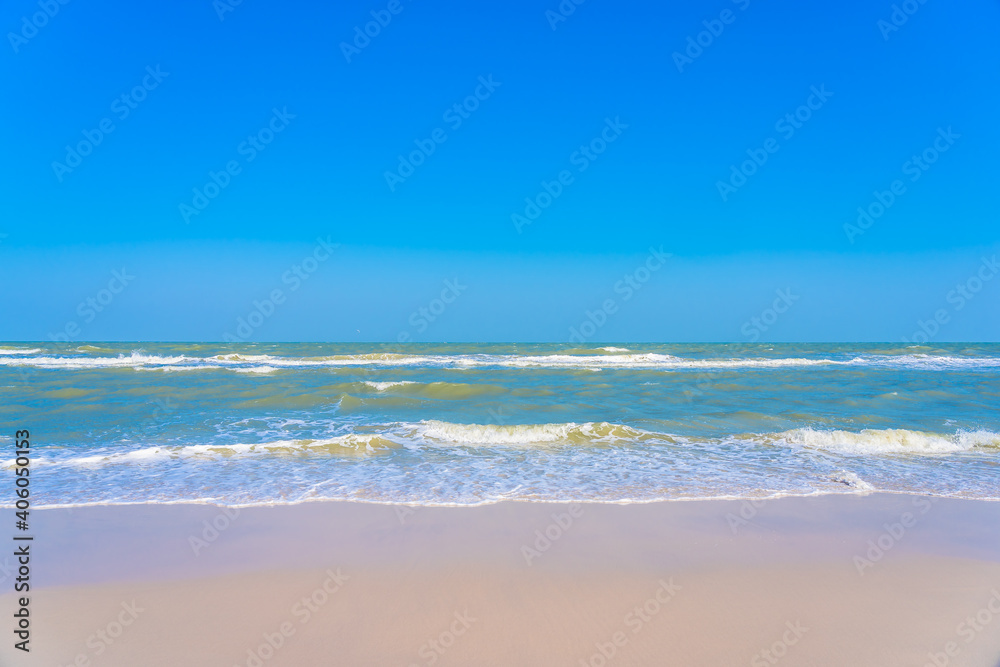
(830, 580)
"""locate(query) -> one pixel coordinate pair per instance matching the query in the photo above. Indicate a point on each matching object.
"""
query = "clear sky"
(532, 154)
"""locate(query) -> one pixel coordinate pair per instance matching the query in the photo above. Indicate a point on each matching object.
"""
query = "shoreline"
(543, 583)
(488, 503)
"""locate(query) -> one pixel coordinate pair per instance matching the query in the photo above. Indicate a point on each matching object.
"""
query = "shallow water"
(468, 424)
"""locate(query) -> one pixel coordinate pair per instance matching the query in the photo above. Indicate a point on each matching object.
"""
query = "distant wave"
(263, 363)
(382, 386)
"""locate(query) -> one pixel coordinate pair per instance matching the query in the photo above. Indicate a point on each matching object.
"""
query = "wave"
(868, 441)
(636, 361)
(437, 434)
(888, 441)
(382, 386)
(532, 434)
(927, 362)
(134, 360)
(345, 445)
(395, 436)
(264, 363)
(13, 350)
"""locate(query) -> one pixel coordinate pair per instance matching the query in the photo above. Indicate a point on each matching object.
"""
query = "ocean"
(469, 424)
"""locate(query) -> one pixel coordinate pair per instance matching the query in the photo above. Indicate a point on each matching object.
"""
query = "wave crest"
(889, 441)
(609, 360)
(437, 434)
(530, 434)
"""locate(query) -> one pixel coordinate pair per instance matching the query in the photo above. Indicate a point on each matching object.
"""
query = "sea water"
(467, 424)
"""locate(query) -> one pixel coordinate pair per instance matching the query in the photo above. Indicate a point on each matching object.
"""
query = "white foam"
(848, 478)
(382, 386)
(351, 442)
(529, 434)
(889, 441)
(493, 434)
(575, 361)
(121, 361)
(927, 361)
(434, 433)
(12, 350)
(180, 369)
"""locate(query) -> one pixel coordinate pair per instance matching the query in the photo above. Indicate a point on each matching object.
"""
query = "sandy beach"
(515, 334)
(829, 580)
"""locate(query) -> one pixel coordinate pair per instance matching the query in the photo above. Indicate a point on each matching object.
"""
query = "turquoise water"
(471, 424)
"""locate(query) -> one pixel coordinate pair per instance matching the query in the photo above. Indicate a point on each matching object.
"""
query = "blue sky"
(264, 101)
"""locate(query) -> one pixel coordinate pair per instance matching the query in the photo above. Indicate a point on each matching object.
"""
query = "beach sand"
(828, 580)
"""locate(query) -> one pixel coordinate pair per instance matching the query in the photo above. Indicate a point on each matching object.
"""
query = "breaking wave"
(435, 434)
(889, 441)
